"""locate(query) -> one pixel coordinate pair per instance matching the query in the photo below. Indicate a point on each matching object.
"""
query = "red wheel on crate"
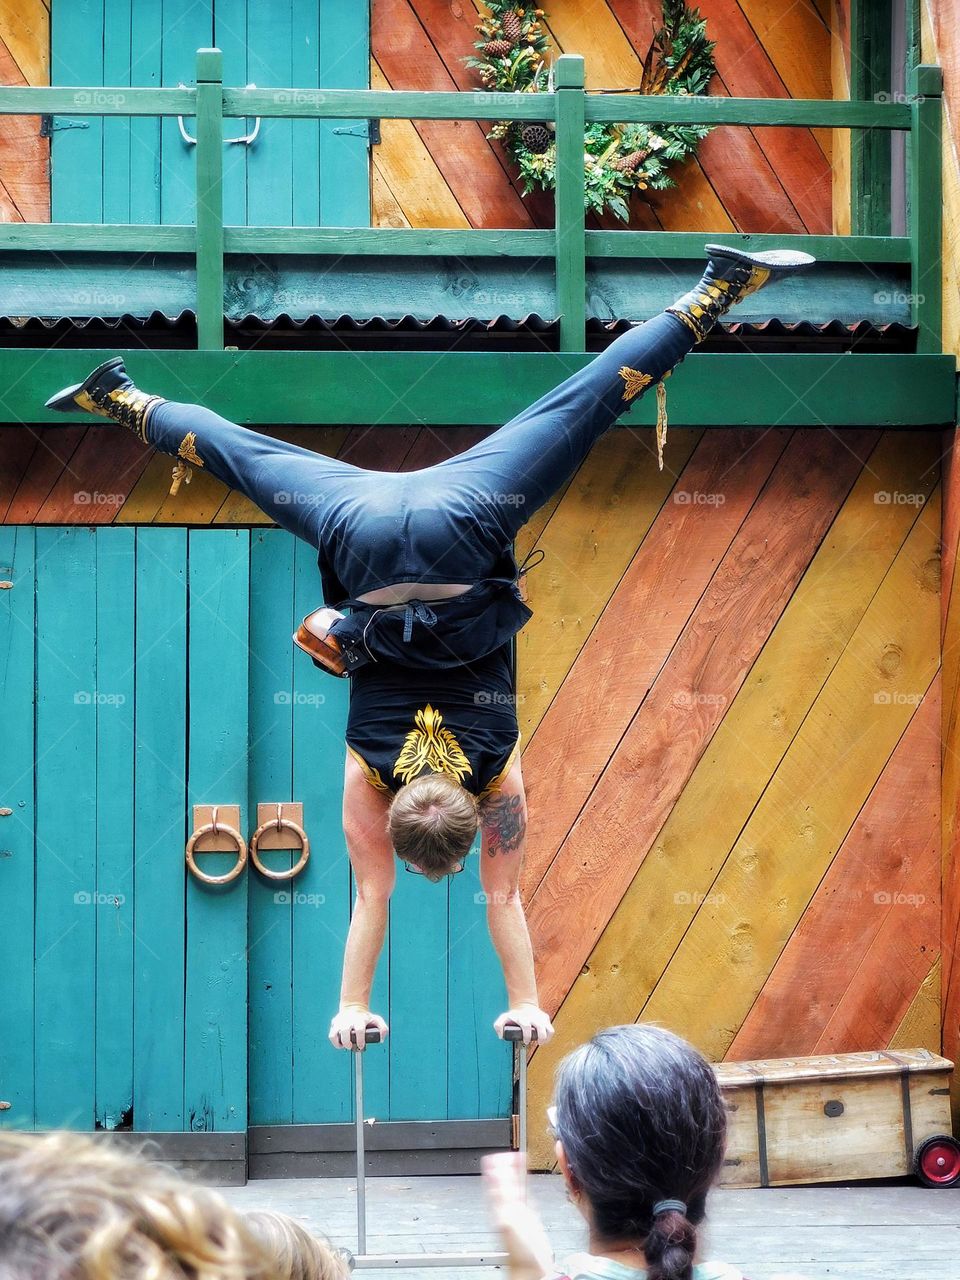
(936, 1161)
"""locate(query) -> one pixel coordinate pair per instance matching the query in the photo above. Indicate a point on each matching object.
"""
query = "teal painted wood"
(117, 45)
(209, 161)
(146, 25)
(269, 161)
(926, 206)
(76, 147)
(571, 265)
(66, 828)
(870, 77)
(321, 909)
(114, 912)
(344, 44)
(17, 878)
(161, 828)
(479, 1065)
(235, 41)
(270, 945)
(479, 388)
(215, 1028)
(358, 104)
(416, 242)
(418, 998)
(187, 28)
(305, 134)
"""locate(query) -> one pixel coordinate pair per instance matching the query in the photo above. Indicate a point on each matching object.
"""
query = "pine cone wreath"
(628, 164)
(512, 27)
(536, 138)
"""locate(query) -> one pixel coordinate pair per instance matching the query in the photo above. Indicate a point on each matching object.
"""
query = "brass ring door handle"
(279, 823)
(215, 827)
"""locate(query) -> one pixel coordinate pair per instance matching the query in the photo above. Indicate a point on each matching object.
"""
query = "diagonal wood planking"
(790, 838)
(862, 948)
(674, 725)
(678, 554)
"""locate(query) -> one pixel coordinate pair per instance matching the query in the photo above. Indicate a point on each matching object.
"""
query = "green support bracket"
(570, 231)
(926, 206)
(209, 214)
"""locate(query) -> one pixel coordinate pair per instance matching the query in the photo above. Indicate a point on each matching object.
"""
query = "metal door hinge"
(48, 124)
(369, 129)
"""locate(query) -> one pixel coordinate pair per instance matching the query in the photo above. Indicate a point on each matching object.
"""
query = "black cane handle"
(511, 1031)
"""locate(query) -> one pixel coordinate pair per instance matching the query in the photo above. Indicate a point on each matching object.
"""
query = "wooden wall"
(436, 173)
(940, 42)
(24, 59)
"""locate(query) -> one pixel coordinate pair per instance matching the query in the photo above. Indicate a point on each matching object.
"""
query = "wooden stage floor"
(856, 1232)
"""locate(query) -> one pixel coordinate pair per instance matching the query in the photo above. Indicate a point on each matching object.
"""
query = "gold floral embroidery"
(635, 382)
(371, 774)
(431, 746)
(188, 449)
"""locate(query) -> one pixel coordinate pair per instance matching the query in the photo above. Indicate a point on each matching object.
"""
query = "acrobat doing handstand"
(423, 561)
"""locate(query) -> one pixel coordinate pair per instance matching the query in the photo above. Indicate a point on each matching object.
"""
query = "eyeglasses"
(417, 872)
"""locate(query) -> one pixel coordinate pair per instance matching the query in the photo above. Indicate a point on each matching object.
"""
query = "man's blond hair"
(433, 821)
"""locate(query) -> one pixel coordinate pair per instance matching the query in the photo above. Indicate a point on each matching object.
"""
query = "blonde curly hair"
(77, 1208)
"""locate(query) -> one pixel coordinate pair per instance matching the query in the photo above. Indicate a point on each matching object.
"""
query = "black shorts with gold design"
(461, 721)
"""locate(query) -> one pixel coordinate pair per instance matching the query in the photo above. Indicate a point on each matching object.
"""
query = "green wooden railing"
(569, 243)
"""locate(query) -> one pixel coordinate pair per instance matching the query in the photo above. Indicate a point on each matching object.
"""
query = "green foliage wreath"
(514, 57)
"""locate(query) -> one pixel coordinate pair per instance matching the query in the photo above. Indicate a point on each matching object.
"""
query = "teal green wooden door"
(145, 671)
(125, 692)
(296, 173)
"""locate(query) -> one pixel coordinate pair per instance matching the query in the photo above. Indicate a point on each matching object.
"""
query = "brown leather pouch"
(325, 651)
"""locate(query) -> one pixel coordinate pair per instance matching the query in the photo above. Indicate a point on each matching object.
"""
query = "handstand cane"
(362, 1259)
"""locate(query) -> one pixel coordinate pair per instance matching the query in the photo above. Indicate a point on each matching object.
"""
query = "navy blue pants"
(454, 521)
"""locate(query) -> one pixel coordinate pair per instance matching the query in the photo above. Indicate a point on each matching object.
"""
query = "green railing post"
(926, 207)
(209, 200)
(569, 211)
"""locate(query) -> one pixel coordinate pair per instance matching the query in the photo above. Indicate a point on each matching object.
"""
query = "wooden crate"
(831, 1117)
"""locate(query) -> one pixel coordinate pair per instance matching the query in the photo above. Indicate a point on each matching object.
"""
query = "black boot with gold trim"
(109, 392)
(730, 276)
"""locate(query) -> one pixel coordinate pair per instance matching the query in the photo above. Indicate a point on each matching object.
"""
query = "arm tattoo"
(505, 821)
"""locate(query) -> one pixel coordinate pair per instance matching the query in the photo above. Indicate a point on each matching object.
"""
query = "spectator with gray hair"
(640, 1131)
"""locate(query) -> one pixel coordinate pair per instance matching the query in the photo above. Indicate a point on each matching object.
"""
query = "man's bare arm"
(503, 817)
(374, 872)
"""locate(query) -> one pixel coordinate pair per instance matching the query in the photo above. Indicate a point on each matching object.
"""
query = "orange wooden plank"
(746, 70)
(55, 447)
(379, 448)
(459, 147)
(24, 155)
(435, 444)
(102, 472)
(597, 861)
(863, 946)
(17, 447)
(621, 659)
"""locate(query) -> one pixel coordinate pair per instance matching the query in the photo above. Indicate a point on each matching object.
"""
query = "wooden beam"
(487, 388)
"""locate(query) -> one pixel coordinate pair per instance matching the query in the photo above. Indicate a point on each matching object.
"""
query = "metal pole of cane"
(375, 1261)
